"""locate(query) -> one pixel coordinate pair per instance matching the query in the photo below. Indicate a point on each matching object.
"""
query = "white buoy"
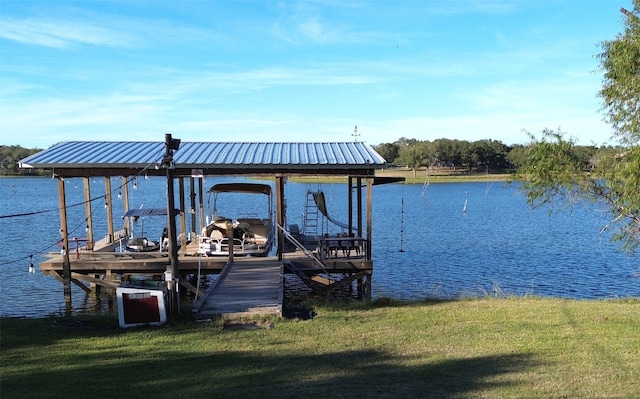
(464, 208)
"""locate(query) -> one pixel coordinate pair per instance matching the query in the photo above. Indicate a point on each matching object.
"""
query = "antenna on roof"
(355, 133)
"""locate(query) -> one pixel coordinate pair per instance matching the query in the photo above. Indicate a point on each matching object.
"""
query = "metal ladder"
(311, 217)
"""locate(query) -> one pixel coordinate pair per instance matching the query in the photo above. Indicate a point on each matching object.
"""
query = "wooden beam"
(55, 274)
(322, 280)
(192, 288)
(66, 263)
(350, 204)
(88, 213)
(200, 206)
(359, 189)
(79, 284)
(183, 217)
(280, 214)
(77, 277)
(369, 218)
(93, 280)
(109, 205)
(125, 199)
(192, 208)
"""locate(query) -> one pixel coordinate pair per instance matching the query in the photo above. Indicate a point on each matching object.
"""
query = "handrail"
(301, 247)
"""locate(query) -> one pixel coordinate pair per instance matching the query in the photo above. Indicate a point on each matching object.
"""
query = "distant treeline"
(9, 157)
(482, 154)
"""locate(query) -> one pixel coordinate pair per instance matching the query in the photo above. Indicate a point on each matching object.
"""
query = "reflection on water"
(462, 239)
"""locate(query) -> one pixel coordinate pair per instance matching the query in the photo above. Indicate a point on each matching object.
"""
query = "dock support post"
(125, 203)
(369, 218)
(109, 205)
(363, 287)
(229, 230)
(88, 213)
(200, 206)
(66, 263)
(192, 209)
(350, 205)
(280, 214)
(183, 217)
(359, 200)
(367, 287)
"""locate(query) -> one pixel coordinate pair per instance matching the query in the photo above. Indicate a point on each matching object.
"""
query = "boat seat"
(216, 235)
(249, 237)
(294, 230)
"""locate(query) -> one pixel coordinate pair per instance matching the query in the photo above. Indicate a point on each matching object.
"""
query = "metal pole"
(171, 274)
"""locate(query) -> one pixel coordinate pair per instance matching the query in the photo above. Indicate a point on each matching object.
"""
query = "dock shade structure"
(357, 161)
(127, 158)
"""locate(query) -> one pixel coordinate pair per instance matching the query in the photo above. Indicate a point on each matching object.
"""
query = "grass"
(444, 175)
(471, 348)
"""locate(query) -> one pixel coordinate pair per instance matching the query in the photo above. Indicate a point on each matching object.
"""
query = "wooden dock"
(244, 289)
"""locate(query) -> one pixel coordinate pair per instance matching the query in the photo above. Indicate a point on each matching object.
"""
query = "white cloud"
(61, 33)
(216, 73)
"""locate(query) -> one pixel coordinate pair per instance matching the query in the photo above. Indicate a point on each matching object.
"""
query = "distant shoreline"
(420, 176)
(468, 178)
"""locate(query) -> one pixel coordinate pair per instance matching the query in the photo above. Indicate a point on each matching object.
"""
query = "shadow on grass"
(248, 374)
(16, 333)
(383, 302)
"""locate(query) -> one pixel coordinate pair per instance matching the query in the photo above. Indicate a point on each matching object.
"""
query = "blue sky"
(302, 70)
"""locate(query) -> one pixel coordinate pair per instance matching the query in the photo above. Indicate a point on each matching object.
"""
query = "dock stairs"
(320, 283)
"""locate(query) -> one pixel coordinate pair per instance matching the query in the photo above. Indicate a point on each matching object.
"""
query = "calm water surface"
(444, 241)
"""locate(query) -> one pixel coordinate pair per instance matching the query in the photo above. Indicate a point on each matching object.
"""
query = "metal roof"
(110, 158)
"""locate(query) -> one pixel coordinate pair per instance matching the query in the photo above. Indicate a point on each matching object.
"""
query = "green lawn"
(478, 348)
(444, 175)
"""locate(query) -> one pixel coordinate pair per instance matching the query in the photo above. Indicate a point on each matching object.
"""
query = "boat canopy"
(255, 188)
(147, 212)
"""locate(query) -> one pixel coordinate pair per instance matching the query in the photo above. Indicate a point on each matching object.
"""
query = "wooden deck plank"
(156, 262)
(244, 289)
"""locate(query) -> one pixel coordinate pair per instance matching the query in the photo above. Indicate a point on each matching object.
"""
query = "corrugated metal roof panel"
(94, 154)
(230, 153)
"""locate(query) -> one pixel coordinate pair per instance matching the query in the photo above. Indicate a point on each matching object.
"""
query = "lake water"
(443, 241)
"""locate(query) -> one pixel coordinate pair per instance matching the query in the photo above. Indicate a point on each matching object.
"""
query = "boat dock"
(340, 255)
(244, 289)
